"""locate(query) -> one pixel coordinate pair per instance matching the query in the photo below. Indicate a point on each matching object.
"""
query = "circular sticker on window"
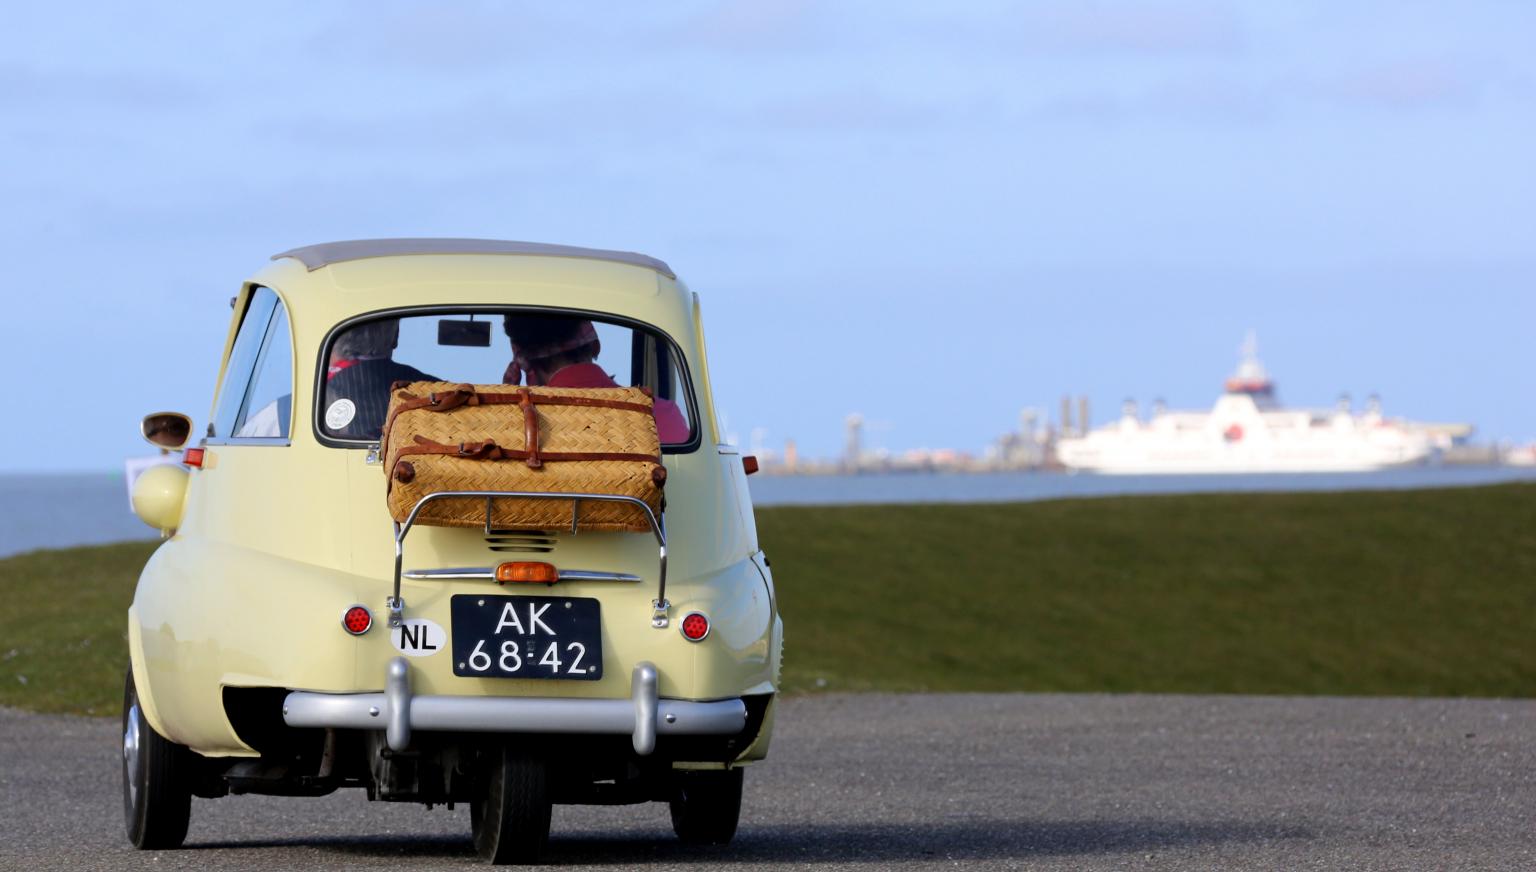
(340, 414)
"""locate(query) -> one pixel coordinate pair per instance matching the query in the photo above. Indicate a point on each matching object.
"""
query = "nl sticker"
(340, 414)
(418, 637)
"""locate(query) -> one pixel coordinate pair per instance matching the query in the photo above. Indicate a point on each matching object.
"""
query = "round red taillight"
(357, 620)
(695, 627)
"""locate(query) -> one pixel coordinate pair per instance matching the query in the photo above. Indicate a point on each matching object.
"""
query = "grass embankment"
(1402, 593)
(64, 624)
(1388, 593)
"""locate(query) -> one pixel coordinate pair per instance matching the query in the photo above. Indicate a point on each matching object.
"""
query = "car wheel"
(511, 824)
(706, 806)
(157, 799)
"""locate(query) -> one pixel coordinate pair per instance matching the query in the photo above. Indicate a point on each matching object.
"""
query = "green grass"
(64, 624)
(1386, 593)
(1390, 593)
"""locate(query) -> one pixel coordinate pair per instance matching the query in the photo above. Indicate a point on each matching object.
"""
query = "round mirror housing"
(159, 495)
(168, 430)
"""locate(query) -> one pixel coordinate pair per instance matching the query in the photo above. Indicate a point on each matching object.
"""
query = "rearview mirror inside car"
(472, 333)
(168, 430)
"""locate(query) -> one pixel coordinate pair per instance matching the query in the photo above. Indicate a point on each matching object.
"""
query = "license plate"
(527, 637)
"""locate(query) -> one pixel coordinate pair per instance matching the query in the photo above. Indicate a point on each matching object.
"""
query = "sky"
(934, 215)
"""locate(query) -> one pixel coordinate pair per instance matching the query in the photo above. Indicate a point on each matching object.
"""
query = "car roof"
(326, 253)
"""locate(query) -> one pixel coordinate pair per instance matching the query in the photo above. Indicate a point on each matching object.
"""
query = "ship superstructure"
(1247, 431)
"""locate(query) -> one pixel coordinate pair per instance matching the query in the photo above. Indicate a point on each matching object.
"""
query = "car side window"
(251, 349)
(269, 407)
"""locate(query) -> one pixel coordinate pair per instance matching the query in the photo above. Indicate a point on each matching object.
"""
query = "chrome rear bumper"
(641, 717)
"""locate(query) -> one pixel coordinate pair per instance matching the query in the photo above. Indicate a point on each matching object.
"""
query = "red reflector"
(749, 463)
(357, 620)
(527, 572)
(695, 627)
(193, 457)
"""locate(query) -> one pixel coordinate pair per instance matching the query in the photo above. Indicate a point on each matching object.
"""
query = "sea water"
(55, 511)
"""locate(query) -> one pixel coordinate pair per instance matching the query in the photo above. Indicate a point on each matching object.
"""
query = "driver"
(357, 381)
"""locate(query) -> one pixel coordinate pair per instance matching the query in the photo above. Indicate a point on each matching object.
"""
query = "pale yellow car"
(290, 638)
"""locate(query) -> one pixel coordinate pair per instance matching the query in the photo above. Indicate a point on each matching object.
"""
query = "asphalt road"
(878, 781)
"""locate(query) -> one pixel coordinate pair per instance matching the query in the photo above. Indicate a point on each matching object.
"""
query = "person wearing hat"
(560, 352)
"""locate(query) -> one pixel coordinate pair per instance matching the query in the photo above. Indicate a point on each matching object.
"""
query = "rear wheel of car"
(157, 796)
(511, 823)
(706, 806)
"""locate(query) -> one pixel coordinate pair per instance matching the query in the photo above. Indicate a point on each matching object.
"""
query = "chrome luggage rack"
(660, 608)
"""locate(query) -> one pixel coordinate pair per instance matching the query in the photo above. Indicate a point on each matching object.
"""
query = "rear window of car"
(364, 357)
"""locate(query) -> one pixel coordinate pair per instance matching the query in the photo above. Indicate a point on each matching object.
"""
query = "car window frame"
(681, 373)
(250, 378)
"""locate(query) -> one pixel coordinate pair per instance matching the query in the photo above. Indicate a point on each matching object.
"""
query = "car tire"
(511, 823)
(706, 806)
(157, 795)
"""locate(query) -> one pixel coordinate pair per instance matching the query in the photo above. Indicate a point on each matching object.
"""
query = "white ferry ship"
(1248, 432)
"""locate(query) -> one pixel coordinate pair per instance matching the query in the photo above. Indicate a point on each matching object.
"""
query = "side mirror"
(168, 430)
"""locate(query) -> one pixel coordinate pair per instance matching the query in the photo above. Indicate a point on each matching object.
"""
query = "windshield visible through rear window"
(363, 360)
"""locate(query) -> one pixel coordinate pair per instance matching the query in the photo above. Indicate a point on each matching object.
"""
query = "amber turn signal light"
(527, 572)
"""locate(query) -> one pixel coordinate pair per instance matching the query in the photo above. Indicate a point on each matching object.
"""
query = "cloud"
(865, 111)
(1155, 28)
(443, 38)
(747, 25)
(1400, 84)
(1185, 98)
(24, 87)
(1237, 95)
(1097, 28)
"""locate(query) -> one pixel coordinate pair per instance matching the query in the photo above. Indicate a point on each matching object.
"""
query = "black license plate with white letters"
(527, 637)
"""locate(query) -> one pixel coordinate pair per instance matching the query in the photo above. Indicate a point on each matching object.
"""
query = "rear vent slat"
(520, 541)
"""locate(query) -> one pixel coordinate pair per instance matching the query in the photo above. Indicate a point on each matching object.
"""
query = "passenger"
(357, 382)
(560, 352)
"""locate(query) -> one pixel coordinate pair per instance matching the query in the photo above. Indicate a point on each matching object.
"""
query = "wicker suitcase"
(442, 436)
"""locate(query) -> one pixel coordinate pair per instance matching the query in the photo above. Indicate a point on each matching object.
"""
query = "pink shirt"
(671, 426)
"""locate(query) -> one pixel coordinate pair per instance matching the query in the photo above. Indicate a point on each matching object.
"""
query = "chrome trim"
(468, 573)
(642, 692)
(397, 699)
(488, 573)
(248, 440)
(595, 575)
(660, 607)
(350, 608)
(709, 626)
(642, 716)
(133, 753)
